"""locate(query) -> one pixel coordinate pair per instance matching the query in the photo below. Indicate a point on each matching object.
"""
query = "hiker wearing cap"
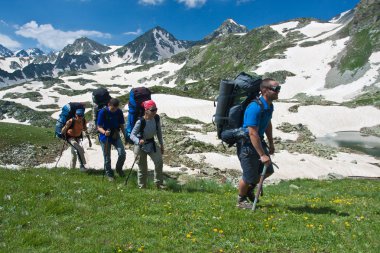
(142, 136)
(110, 122)
(73, 132)
(254, 153)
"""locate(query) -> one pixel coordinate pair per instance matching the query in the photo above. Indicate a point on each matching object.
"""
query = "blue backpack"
(67, 112)
(135, 109)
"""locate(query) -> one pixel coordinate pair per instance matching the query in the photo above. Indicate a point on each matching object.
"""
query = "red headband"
(148, 104)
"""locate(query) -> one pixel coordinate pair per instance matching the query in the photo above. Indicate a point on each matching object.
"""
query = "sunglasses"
(153, 110)
(275, 88)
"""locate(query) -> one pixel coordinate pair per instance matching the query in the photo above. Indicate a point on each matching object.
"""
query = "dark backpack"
(100, 97)
(234, 97)
(67, 112)
(135, 109)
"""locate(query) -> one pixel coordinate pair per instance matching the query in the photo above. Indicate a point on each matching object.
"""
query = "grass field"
(15, 134)
(63, 210)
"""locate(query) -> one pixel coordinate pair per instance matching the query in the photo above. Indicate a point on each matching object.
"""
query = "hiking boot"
(111, 179)
(82, 169)
(161, 187)
(244, 204)
(121, 173)
(251, 195)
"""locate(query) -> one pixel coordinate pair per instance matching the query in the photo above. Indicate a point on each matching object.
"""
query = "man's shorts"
(250, 162)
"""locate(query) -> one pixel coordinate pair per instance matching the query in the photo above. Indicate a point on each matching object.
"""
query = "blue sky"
(51, 24)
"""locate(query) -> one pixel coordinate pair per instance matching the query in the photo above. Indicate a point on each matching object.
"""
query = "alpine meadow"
(254, 137)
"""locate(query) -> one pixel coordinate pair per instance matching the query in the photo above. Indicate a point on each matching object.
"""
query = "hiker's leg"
(142, 174)
(249, 161)
(158, 164)
(80, 151)
(121, 154)
(73, 161)
(107, 158)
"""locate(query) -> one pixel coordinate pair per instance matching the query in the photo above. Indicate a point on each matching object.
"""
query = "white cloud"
(151, 2)
(138, 32)
(48, 36)
(192, 3)
(2, 22)
(8, 42)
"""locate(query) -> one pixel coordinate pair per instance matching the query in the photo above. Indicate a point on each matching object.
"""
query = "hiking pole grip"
(259, 187)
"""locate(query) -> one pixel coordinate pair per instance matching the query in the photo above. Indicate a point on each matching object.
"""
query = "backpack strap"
(260, 103)
(157, 119)
(142, 126)
(143, 123)
(105, 114)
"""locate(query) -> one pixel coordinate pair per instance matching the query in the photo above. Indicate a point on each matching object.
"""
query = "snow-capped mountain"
(85, 46)
(229, 26)
(31, 52)
(35, 52)
(229, 55)
(5, 52)
(155, 44)
(21, 53)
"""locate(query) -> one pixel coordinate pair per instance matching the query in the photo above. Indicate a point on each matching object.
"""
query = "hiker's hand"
(141, 142)
(162, 150)
(265, 160)
(107, 133)
(271, 149)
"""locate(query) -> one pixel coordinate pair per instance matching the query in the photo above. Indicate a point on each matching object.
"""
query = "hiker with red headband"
(142, 136)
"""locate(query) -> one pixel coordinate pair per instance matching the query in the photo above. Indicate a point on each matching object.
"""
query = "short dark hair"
(265, 82)
(114, 102)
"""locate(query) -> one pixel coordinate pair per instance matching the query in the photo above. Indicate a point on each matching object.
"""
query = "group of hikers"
(110, 125)
(253, 152)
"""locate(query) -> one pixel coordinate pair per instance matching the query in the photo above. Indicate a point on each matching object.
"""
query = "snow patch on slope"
(284, 28)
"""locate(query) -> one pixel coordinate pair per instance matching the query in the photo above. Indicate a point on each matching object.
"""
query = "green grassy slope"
(66, 211)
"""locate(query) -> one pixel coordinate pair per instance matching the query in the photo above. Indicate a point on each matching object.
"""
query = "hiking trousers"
(106, 147)
(76, 151)
(142, 174)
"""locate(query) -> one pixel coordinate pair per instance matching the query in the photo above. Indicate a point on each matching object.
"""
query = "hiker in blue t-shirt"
(110, 122)
(254, 153)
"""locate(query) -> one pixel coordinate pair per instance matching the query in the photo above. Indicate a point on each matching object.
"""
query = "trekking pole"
(130, 171)
(259, 187)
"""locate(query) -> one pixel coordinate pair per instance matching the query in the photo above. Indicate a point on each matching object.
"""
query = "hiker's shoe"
(111, 179)
(244, 204)
(121, 173)
(82, 169)
(161, 187)
(251, 194)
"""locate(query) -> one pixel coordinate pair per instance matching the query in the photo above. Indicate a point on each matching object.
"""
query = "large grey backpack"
(234, 97)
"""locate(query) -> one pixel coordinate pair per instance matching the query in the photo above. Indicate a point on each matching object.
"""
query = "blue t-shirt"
(112, 120)
(254, 118)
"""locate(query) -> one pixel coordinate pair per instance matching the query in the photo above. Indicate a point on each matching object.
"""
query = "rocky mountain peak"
(5, 52)
(229, 26)
(21, 53)
(155, 44)
(35, 52)
(83, 46)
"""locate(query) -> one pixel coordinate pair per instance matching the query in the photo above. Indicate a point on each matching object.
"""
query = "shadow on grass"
(95, 172)
(173, 185)
(317, 210)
